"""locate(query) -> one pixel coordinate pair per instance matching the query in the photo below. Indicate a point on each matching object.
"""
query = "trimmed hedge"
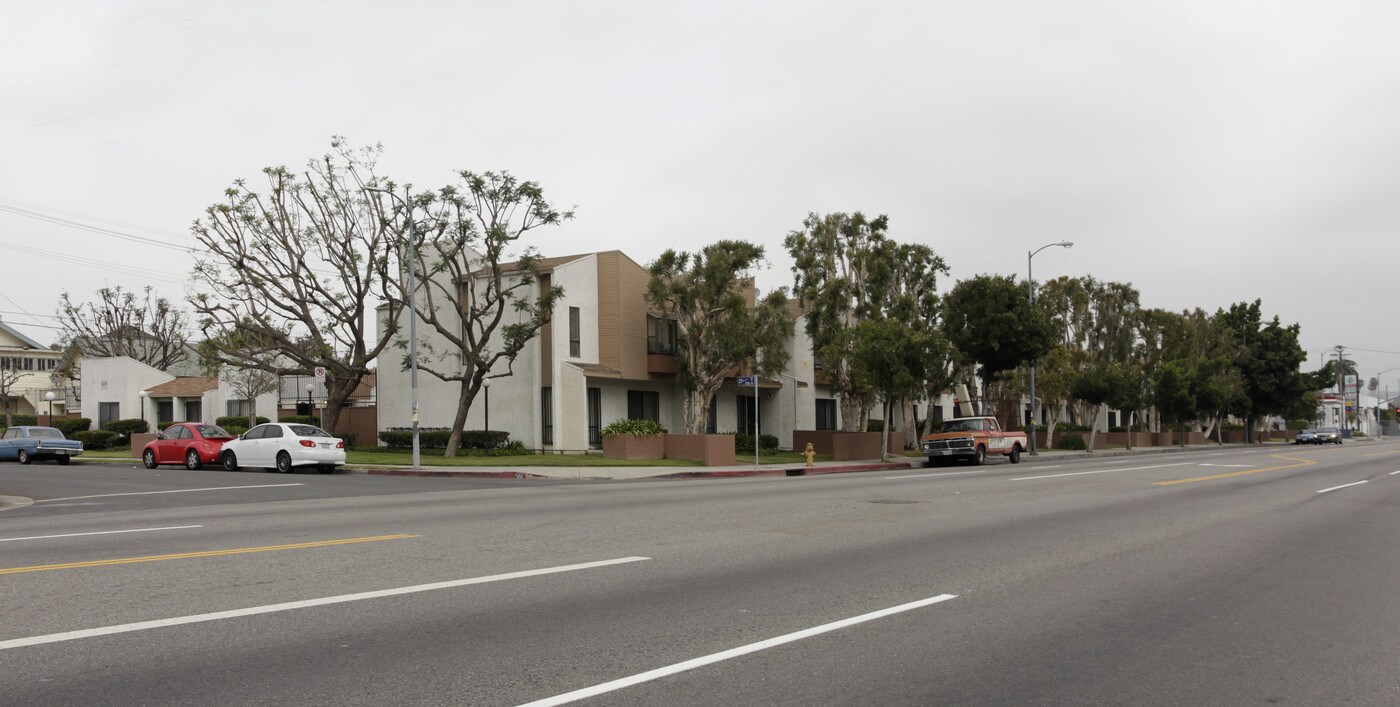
(126, 428)
(228, 421)
(97, 439)
(69, 425)
(744, 443)
(1075, 443)
(22, 420)
(436, 438)
(299, 420)
(638, 428)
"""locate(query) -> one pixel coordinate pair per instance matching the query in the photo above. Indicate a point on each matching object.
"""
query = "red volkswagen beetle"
(193, 444)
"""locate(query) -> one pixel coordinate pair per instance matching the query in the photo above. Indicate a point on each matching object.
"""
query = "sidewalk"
(711, 472)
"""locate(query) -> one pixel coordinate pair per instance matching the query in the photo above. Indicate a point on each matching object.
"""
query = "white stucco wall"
(118, 380)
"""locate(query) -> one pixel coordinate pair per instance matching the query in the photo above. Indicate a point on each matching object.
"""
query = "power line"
(131, 270)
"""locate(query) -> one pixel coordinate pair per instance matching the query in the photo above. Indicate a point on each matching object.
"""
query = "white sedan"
(281, 446)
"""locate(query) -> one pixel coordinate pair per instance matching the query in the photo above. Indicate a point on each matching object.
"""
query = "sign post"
(753, 381)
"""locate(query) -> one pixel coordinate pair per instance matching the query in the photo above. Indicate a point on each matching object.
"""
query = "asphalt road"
(1250, 576)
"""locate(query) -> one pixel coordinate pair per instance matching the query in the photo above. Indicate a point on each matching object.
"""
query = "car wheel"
(148, 459)
(229, 461)
(23, 456)
(192, 461)
(980, 457)
(1015, 454)
(63, 460)
(284, 462)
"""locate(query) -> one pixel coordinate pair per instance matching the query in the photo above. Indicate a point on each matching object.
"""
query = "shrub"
(97, 439)
(126, 428)
(299, 419)
(69, 425)
(744, 443)
(348, 437)
(24, 420)
(436, 438)
(640, 428)
(874, 425)
(1074, 442)
(235, 430)
(228, 421)
(1299, 424)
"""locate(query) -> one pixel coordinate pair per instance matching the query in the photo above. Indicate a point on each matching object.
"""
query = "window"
(644, 405)
(546, 416)
(177, 432)
(194, 410)
(595, 417)
(165, 412)
(712, 424)
(575, 341)
(107, 412)
(661, 336)
(238, 408)
(748, 415)
(826, 414)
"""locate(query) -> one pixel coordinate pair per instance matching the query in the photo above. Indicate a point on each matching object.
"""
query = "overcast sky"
(1207, 152)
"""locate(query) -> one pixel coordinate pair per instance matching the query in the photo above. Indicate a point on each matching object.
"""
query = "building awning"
(594, 370)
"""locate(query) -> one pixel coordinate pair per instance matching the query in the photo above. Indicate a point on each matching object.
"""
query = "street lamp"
(413, 317)
(310, 406)
(1030, 299)
(486, 385)
(141, 395)
(49, 396)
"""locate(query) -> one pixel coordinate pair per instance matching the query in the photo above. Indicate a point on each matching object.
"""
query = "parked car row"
(1319, 435)
(275, 446)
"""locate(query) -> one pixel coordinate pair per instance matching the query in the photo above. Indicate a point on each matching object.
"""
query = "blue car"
(26, 443)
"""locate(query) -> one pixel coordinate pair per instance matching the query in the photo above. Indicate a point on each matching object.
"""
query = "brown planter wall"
(634, 447)
(138, 443)
(1140, 439)
(820, 440)
(1163, 439)
(710, 450)
(847, 446)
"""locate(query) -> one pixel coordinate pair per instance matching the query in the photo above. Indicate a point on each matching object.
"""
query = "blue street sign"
(747, 380)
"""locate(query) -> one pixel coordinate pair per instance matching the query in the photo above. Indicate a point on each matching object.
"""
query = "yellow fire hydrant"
(810, 453)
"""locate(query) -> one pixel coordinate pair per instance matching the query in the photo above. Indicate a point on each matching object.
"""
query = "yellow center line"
(1301, 463)
(207, 553)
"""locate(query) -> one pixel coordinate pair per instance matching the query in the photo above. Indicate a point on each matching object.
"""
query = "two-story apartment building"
(606, 356)
(34, 368)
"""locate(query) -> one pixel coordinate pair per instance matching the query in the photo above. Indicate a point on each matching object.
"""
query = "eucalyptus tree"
(707, 294)
(892, 361)
(479, 296)
(299, 265)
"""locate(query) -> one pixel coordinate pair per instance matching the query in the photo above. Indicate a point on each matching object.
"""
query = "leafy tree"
(1269, 360)
(300, 267)
(149, 329)
(1127, 392)
(483, 309)
(891, 360)
(717, 328)
(846, 270)
(988, 319)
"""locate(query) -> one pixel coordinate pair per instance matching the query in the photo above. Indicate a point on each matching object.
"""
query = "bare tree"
(483, 309)
(10, 374)
(297, 271)
(150, 330)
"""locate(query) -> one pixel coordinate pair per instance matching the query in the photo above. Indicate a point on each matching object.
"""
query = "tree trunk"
(850, 414)
(337, 392)
(913, 428)
(1094, 427)
(1130, 429)
(464, 405)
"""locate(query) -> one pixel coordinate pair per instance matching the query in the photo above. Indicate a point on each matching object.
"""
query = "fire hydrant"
(810, 453)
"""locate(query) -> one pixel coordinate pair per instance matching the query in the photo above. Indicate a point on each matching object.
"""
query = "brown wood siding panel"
(546, 338)
(622, 315)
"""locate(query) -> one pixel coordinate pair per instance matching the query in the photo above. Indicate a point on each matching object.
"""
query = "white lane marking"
(101, 532)
(731, 653)
(1103, 471)
(288, 606)
(1393, 473)
(941, 473)
(150, 493)
(1334, 488)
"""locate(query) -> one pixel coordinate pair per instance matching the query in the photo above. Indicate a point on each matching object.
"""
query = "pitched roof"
(26, 342)
(185, 387)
